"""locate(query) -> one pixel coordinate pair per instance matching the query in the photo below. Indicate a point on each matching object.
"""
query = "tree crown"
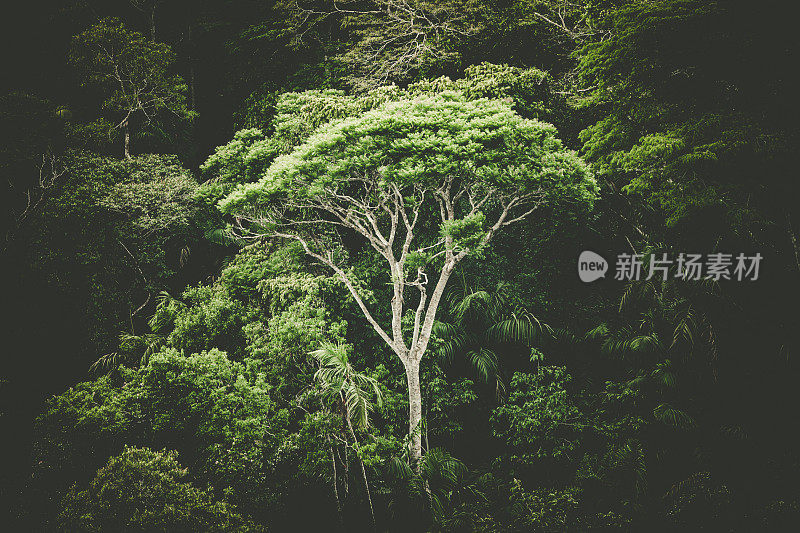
(423, 144)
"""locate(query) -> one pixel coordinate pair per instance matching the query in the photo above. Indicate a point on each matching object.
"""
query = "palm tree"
(136, 349)
(477, 323)
(133, 350)
(441, 483)
(351, 391)
(671, 337)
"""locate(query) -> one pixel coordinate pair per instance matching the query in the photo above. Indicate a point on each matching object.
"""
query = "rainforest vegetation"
(313, 266)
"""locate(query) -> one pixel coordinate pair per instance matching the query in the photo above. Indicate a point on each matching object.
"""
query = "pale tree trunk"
(127, 131)
(793, 239)
(190, 60)
(414, 411)
(421, 335)
(362, 218)
(336, 486)
(153, 22)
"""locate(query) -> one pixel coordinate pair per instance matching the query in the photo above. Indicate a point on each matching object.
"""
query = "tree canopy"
(385, 173)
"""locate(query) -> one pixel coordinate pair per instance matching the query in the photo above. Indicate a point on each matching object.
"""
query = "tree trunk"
(190, 60)
(153, 22)
(414, 412)
(363, 472)
(336, 486)
(127, 129)
(793, 239)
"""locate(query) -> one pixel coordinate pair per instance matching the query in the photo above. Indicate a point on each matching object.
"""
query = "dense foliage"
(230, 233)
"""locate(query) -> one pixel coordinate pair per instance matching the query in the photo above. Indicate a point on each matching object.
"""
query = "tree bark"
(414, 412)
(153, 22)
(793, 239)
(336, 486)
(190, 60)
(127, 129)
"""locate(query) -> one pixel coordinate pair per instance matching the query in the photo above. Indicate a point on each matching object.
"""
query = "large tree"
(390, 175)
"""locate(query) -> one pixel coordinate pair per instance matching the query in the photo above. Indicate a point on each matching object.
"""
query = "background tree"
(134, 77)
(148, 8)
(141, 489)
(392, 40)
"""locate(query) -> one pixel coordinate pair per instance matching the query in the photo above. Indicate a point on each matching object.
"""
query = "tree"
(391, 40)
(107, 236)
(682, 122)
(215, 412)
(340, 381)
(149, 8)
(134, 75)
(145, 490)
(468, 167)
(31, 142)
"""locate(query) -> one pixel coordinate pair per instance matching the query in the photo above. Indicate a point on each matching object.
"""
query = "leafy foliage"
(546, 404)
(144, 490)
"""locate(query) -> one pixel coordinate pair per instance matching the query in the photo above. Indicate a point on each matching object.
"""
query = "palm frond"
(522, 328)
(454, 345)
(684, 330)
(444, 329)
(337, 378)
(475, 305)
(626, 342)
(672, 416)
(225, 237)
(630, 455)
(365, 381)
(601, 331)
(163, 316)
(400, 469)
(106, 362)
(484, 361)
(664, 374)
(132, 350)
(562, 336)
